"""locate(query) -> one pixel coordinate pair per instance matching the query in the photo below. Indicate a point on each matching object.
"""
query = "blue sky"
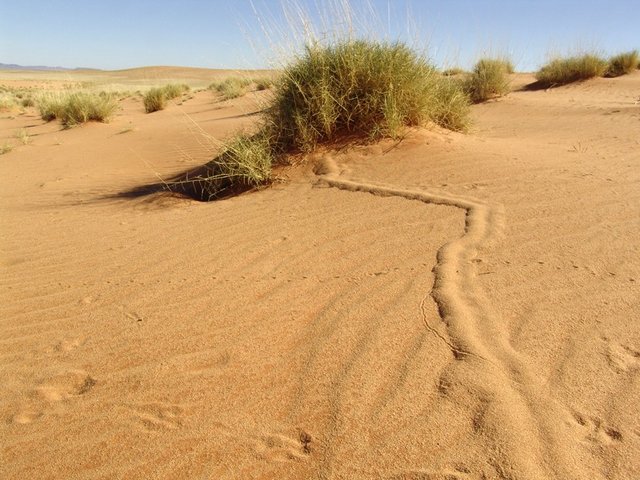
(114, 34)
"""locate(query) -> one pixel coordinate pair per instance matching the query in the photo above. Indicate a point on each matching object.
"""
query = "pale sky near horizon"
(116, 34)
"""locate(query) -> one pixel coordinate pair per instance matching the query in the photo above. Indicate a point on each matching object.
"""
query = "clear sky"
(114, 34)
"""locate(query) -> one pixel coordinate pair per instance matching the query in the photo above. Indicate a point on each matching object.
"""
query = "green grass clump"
(77, 107)
(361, 88)
(232, 87)
(27, 102)
(488, 80)
(623, 63)
(567, 70)
(348, 90)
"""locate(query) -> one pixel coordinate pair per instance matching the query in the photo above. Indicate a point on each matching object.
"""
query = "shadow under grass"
(204, 184)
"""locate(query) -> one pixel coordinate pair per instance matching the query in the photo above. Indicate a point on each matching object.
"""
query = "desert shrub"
(623, 64)
(357, 88)
(572, 69)
(27, 102)
(232, 87)
(81, 107)
(488, 80)
(154, 100)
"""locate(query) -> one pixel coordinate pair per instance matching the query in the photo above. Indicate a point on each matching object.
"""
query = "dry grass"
(23, 136)
(623, 63)
(232, 87)
(488, 80)
(561, 71)
(5, 148)
(362, 88)
(156, 98)
(76, 107)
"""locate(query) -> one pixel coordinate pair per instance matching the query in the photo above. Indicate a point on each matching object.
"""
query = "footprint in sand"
(59, 388)
(159, 416)
(67, 345)
(281, 448)
(447, 474)
(622, 358)
(595, 430)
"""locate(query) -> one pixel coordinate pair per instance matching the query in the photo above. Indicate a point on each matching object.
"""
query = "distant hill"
(13, 66)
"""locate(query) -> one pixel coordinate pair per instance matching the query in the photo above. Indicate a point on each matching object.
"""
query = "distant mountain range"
(13, 66)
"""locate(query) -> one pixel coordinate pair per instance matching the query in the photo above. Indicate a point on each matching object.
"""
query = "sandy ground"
(447, 307)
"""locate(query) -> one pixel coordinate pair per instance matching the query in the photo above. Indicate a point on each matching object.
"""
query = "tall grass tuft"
(350, 89)
(360, 88)
(488, 80)
(561, 71)
(623, 63)
(81, 107)
(76, 107)
(156, 98)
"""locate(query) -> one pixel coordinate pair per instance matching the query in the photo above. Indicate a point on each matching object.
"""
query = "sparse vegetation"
(76, 107)
(7, 102)
(623, 63)
(156, 98)
(488, 80)
(27, 102)
(245, 162)
(23, 136)
(5, 148)
(360, 88)
(232, 87)
(561, 71)
(357, 89)
(263, 83)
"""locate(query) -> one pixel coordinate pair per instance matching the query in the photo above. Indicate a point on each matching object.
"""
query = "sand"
(450, 306)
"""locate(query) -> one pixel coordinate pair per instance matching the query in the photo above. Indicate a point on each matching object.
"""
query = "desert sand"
(447, 306)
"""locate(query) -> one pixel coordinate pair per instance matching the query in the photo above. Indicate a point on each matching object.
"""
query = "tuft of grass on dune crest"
(362, 88)
(76, 107)
(488, 80)
(561, 71)
(623, 63)
(349, 90)
(156, 98)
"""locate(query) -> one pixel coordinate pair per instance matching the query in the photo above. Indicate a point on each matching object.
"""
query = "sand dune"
(445, 307)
